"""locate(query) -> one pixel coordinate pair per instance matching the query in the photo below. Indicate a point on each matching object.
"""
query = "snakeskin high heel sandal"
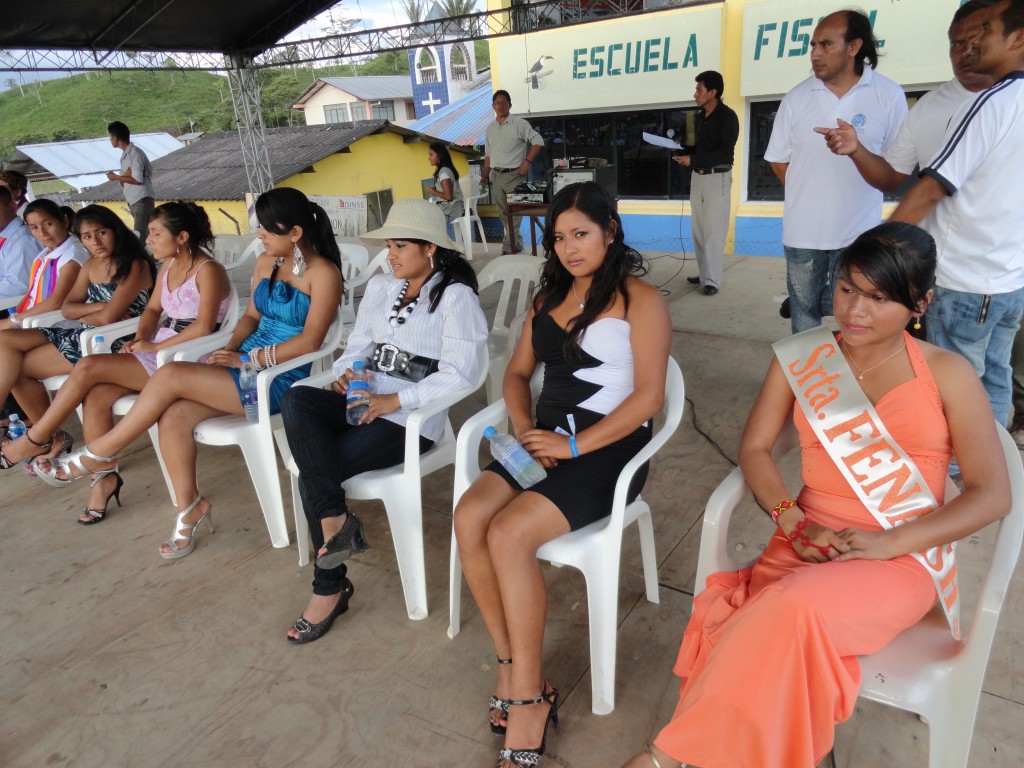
(498, 705)
(528, 758)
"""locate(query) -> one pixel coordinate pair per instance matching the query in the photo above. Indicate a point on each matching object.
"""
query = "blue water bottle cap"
(358, 366)
(490, 432)
(100, 339)
(244, 358)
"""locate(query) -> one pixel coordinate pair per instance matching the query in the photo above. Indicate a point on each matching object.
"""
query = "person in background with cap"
(510, 145)
(426, 314)
(718, 129)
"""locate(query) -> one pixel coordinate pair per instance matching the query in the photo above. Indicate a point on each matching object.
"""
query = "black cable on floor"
(705, 435)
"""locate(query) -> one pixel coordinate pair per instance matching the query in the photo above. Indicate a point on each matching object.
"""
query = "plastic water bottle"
(99, 346)
(358, 388)
(247, 383)
(516, 459)
(15, 427)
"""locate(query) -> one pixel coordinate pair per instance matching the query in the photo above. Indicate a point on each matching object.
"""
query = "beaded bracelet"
(573, 448)
(254, 360)
(797, 536)
(781, 507)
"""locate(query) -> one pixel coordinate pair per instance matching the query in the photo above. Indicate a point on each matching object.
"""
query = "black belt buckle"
(388, 358)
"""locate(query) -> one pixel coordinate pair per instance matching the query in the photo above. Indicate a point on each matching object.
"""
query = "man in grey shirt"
(136, 177)
(510, 146)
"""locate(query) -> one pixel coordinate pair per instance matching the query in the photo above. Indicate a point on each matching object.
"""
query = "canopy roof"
(154, 25)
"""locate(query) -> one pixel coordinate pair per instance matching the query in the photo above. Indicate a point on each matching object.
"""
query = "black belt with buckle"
(389, 359)
(180, 325)
(713, 169)
(507, 170)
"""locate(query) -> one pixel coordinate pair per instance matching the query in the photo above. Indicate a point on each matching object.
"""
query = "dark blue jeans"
(328, 451)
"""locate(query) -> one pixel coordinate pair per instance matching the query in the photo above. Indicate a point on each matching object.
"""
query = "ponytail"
(454, 269)
(321, 238)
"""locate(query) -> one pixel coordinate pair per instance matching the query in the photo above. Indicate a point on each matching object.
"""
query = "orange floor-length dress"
(768, 659)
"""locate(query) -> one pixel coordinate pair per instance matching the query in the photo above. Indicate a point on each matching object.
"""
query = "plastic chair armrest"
(421, 414)
(467, 445)
(714, 548)
(43, 320)
(193, 349)
(266, 377)
(10, 302)
(318, 380)
(109, 332)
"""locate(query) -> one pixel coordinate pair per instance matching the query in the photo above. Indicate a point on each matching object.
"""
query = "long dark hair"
(453, 268)
(47, 208)
(127, 247)
(858, 27)
(898, 258)
(444, 160)
(281, 209)
(185, 216)
(619, 263)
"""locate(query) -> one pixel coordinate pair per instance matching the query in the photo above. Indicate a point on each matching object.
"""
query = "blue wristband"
(573, 448)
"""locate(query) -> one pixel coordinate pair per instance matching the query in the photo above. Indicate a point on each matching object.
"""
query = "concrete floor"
(114, 657)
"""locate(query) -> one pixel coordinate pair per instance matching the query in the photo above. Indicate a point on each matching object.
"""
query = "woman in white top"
(446, 191)
(420, 331)
(54, 271)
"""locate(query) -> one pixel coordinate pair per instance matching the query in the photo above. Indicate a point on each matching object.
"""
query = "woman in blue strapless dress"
(298, 290)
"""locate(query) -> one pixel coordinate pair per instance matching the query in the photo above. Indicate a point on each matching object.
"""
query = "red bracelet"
(781, 507)
(797, 536)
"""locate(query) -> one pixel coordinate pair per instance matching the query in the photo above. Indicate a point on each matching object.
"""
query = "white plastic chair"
(234, 250)
(471, 193)
(123, 404)
(398, 487)
(256, 439)
(923, 670)
(355, 279)
(355, 259)
(519, 274)
(595, 549)
(10, 302)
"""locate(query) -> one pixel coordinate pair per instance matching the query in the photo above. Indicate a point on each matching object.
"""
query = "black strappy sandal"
(528, 758)
(66, 445)
(501, 705)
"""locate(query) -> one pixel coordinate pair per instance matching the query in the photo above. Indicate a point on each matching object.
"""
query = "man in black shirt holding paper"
(711, 183)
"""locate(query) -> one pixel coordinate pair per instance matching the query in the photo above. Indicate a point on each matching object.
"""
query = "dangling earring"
(298, 263)
(917, 323)
(431, 257)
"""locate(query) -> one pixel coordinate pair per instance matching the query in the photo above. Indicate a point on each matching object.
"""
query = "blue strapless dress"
(283, 310)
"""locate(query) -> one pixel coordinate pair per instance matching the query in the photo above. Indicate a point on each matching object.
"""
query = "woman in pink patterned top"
(192, 302)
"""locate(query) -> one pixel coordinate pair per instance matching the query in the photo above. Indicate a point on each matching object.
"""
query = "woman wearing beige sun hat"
(419, 332)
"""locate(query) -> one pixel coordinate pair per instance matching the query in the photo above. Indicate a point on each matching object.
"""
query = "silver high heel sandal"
(189, 528)
(49, 475)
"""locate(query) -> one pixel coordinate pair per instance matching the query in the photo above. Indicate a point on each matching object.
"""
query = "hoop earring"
(298, 262)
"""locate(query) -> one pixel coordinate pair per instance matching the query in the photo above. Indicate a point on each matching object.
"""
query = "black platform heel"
(350, 540)
(497, 704)
(529, 758)
(310, 632)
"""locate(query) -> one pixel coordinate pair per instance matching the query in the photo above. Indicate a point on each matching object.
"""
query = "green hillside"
(80, 107)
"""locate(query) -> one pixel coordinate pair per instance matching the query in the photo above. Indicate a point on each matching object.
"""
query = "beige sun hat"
(413, 219)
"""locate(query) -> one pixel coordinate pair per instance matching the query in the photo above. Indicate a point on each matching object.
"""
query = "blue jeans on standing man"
(809, 279)
(981, 328)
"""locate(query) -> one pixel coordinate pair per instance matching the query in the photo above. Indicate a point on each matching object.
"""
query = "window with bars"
(459, 66)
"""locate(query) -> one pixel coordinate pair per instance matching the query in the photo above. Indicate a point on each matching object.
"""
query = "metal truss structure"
(521, 17)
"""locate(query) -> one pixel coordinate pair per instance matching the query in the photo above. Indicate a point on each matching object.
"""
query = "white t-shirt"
(979, 227)
(922, 133)
(827, 203)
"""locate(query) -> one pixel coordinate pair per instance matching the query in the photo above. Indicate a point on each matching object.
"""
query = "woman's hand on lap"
(341, 385)
(545, 446)
(225, 357)
(821, 540)
(866, 545)
(377, 406)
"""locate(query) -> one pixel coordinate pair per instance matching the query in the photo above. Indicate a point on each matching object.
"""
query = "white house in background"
(344, 99)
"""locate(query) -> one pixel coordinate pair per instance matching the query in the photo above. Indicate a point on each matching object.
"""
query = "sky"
(368, 14)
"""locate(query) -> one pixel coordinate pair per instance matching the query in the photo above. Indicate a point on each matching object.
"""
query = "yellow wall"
(215, 209)
(376, 162)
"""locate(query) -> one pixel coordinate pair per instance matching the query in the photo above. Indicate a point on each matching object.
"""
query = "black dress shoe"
(309, 632)
(710, 290)
(693, 280)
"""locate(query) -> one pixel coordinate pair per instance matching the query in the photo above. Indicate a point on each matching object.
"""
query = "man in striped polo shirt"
(973, 188)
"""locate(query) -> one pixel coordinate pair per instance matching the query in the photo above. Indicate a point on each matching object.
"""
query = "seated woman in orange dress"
(769, 658)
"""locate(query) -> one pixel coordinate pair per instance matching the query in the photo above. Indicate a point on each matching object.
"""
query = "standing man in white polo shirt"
(923, 132)
(973, 188)
(509, 148)
(136, 177)
(827, 203)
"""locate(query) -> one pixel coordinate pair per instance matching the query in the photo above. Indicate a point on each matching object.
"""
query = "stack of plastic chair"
(471, 193)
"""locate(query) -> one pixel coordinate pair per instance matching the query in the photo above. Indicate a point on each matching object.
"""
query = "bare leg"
(513, 538)
(208, 384)
(654, 758)
(179, 451)
(473, 516)
(15, 347)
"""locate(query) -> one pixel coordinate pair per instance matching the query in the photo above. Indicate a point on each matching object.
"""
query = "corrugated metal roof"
(463, 122)
(85, 162)
(212, 168)
(369, 88)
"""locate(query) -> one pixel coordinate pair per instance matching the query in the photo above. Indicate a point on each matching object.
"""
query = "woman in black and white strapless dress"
(603, 335)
